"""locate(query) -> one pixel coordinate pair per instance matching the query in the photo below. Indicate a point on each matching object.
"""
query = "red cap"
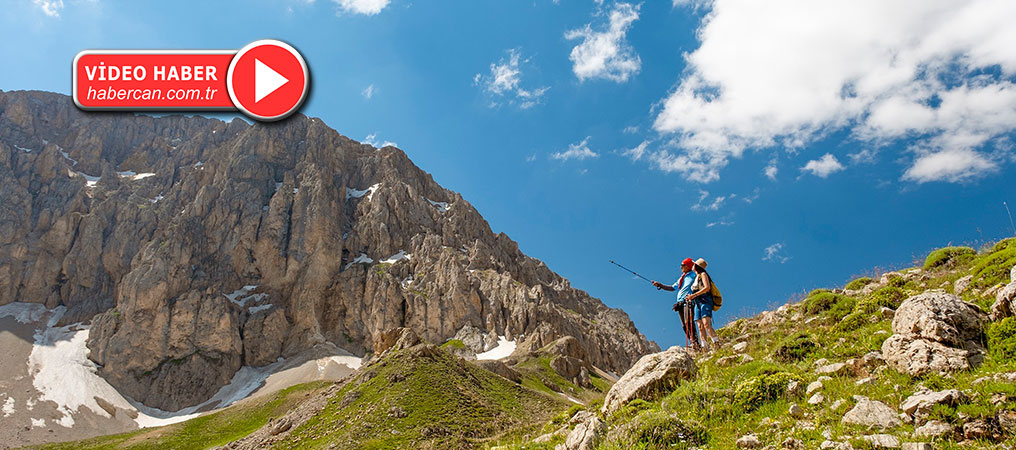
(688, 262)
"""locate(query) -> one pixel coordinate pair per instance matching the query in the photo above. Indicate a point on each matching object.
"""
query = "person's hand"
(658, 285)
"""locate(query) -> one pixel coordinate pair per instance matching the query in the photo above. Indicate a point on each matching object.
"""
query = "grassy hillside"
(420, 397)
(206, 431)
(735, 395)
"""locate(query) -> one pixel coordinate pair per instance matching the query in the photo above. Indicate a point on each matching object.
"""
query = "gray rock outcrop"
(584, 436)
(1005, 299)
(651, 376)
(934, 332)
(921, 403)
(872, 414)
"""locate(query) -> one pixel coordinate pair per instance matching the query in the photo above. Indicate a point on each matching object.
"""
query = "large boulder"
(652, 375)
(1005, 300)
(584, 436)
(871, 414)
(922, 402)
(934, 332)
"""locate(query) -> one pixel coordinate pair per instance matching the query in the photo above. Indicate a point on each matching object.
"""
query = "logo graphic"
(266, 80)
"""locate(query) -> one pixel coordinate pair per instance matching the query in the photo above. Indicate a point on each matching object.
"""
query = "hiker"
(683, 286)
(702, 298)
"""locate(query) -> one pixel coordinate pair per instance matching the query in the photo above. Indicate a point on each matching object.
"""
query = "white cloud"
(725, 221)
(368, 92)
(578, 151)
(771, 170)
(775, 253)
(824, 166)
(784, 73)
(365, 7)
(714, 205)
(755, 194)
(955, 165)
(373, 141)
(606, 54)
(865, 156)
(631, 129)
(636, 152)
(50, 8)
(503, 83)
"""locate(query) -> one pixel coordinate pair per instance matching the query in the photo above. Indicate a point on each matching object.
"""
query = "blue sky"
(793, 145)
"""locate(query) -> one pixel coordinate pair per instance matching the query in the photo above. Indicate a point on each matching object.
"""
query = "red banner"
(152, 79)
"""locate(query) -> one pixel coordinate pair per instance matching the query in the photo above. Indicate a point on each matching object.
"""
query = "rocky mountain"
(195, 247)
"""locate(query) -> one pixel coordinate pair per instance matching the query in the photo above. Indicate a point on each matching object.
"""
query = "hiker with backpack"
(704, 295)
(683, 286)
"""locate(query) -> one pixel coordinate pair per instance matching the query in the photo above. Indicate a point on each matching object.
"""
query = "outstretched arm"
(665, 287)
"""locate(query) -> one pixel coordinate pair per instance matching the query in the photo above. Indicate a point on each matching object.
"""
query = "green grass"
(993, 267)
(858, 283)
(1002, 340)
(820, 301)
(454, 343)
(448, 403)
(794, 348)
(949, 255)
(206, 431)
(761, 389)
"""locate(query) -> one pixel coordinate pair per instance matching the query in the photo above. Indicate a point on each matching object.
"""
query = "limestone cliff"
(197, 246)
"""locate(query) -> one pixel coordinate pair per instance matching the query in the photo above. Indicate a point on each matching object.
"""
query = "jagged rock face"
(252, 242)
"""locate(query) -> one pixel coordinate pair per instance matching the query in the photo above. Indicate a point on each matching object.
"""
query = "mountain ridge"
(197, 246)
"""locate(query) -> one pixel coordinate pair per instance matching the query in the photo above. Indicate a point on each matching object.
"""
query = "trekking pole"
(632, 271)
(1006, 205)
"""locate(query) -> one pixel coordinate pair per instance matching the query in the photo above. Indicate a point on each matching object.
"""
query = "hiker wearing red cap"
(702, 297)
(683, 286)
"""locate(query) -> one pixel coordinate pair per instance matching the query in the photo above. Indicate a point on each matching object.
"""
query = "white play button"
(266, 80)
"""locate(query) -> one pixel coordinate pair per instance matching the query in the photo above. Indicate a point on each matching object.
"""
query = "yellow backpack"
(715, 292)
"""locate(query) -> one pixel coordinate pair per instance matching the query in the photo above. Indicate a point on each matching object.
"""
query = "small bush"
(759, 390)
(818, 291)
(1002, 340)
(889, 297)
(795, 348)
(852, 321)
(819, 302)
(896, 282)
(858, 283)
(842, 307)
(656, 429)
(949, 255)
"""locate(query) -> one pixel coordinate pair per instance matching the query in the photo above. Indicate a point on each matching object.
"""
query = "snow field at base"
(503, 349)
(62, 373)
